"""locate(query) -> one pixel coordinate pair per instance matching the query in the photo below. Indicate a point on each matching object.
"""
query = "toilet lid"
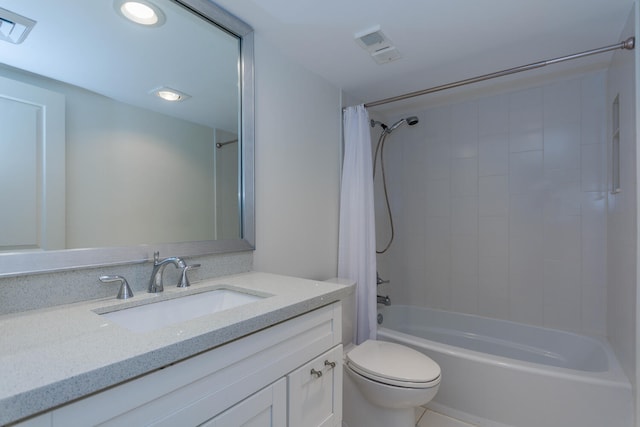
(393, 364)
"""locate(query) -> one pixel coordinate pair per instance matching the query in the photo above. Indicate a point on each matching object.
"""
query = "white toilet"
(384, 383)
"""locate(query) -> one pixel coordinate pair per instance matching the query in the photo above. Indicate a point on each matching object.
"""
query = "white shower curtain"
(357, 241)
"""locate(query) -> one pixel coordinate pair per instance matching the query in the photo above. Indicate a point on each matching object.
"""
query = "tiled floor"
(428, 418)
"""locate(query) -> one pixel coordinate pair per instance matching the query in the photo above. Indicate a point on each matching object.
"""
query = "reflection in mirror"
(120, 134)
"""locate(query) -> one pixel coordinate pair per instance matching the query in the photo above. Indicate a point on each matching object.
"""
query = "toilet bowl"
(384, 383)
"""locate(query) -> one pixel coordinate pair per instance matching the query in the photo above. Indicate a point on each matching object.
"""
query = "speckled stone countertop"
(51, 356)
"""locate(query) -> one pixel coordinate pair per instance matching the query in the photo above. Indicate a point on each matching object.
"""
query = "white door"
(32, 161)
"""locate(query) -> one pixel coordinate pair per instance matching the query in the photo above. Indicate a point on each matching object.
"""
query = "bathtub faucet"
(379, 280)
(384, 300)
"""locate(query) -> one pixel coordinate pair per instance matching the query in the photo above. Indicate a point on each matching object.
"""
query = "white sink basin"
(149, 317)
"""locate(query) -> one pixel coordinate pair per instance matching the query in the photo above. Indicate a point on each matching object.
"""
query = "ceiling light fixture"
(169, 94)
(141, 12)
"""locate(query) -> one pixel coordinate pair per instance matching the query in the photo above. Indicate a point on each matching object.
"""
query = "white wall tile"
(464, 177)
(415, 268)
(414, 151)
(562, 102)
(437, 160)
(562, 240)
(525, 217)
(510, 193)
(438, 195)
(493, 115)
(493, 286)
(464, 132)
(594, 258)
(561, 294)
(526, 281)
(464, 273)
(525, 111)
(437, 122)
(593, 166)
(493, 154)
(563, 195)
(525, 172)
(593, 109)
(493, 236)
(526, 140)
(493, 195)
(438, 262)
(562, 146)
(464, 215)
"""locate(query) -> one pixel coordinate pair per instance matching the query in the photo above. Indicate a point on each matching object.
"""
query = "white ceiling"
(85, 43)
(440, 40)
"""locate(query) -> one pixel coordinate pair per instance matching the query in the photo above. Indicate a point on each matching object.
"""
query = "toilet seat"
(393, 364)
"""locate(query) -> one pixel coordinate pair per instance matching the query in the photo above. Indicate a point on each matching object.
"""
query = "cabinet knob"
(317, 374)
(330, 364)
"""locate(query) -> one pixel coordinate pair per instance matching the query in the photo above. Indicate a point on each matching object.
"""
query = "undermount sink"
(156, 315)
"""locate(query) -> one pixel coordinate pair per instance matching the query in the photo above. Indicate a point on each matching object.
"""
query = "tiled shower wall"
(499, 206)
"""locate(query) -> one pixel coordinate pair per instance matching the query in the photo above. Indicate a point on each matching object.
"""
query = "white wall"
(499, 206)
(297, 152)
(622, 212)
(135, 176)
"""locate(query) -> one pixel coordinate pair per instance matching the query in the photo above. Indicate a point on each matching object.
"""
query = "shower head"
(411, 121)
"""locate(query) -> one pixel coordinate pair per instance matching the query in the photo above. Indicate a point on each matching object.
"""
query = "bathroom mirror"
(96, 167)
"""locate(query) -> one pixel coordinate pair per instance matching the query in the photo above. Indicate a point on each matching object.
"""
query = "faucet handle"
(125, 291)
(184, 280)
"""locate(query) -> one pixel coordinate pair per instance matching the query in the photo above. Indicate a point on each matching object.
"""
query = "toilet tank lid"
(393, 361)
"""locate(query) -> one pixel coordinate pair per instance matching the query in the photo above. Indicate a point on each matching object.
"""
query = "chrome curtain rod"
(628, 44)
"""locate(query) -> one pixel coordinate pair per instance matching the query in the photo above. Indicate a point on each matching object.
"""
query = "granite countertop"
(51, 356)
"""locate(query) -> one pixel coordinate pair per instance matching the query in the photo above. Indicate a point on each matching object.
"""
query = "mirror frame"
(22, 263)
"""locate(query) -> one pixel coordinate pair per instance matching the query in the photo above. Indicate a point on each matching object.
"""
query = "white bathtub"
(498, 373)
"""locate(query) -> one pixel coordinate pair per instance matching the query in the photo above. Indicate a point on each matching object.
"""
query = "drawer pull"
(317, 374)
(330, 364)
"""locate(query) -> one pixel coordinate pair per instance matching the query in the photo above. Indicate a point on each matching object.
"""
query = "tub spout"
(384, 300)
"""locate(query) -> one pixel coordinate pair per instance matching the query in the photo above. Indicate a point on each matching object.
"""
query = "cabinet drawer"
(315, 391)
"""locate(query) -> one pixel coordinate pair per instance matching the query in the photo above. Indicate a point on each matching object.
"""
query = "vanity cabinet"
(263, 379)
(267, 408)
(315, 392)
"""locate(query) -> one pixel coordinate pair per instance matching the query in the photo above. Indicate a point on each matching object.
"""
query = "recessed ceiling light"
(141, 12)
(169, 94)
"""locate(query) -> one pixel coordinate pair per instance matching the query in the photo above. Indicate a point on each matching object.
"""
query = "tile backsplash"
(29, 292)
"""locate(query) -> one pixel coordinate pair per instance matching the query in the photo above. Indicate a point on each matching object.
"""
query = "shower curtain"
(356, 246)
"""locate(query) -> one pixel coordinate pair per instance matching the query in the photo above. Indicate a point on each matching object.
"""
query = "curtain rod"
(628, 44)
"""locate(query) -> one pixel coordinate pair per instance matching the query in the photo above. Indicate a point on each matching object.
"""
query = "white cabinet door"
(266, 408)
(315, 392)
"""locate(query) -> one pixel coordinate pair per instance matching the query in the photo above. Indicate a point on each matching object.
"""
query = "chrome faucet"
(379, 280)
(155, 284)
(384, 299)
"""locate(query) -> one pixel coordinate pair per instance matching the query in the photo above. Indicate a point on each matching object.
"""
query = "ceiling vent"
(14, 28)
(377, 44)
